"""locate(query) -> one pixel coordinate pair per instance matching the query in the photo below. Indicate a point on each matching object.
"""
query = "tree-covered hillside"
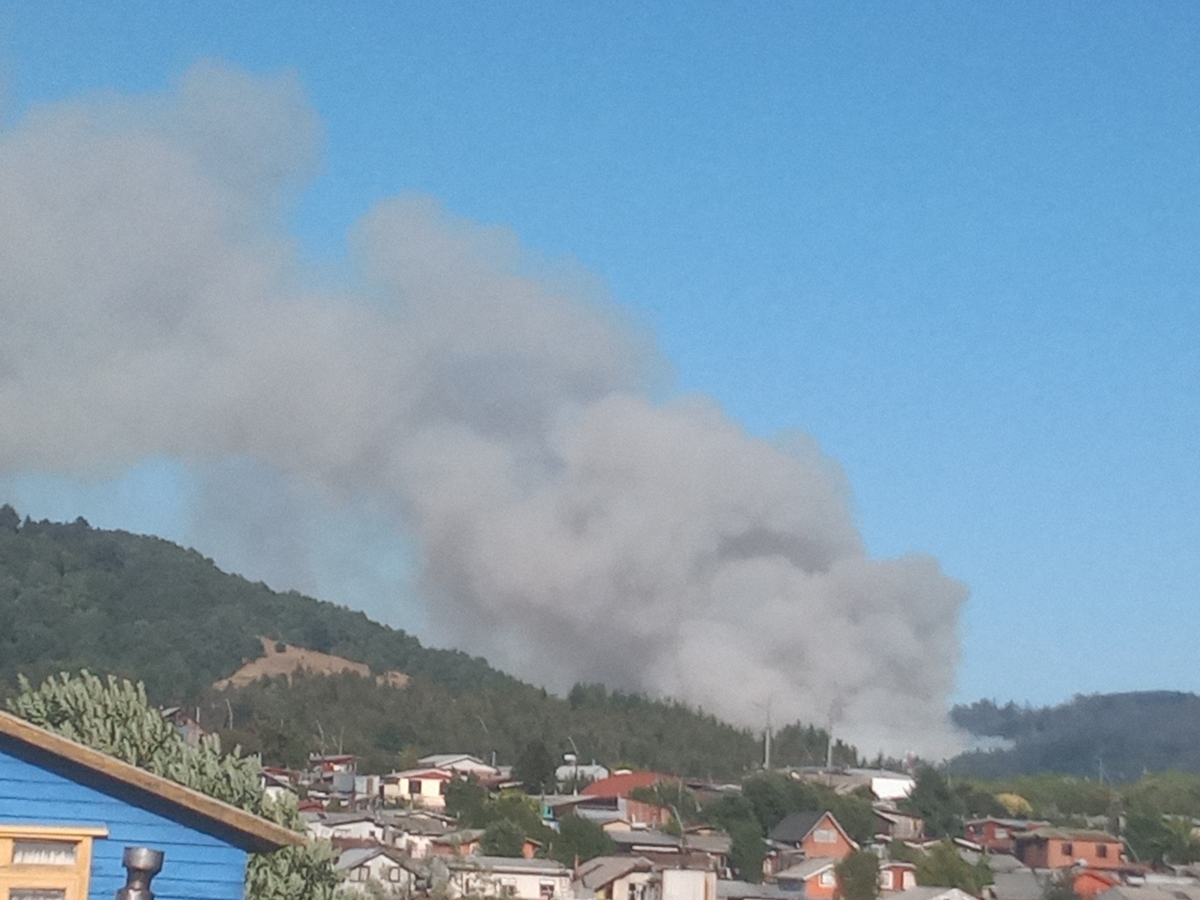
(1112, 736)
(74, 597)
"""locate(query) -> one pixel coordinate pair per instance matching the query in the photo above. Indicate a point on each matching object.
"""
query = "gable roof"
(603, 870)
(49, 750)
(797, 826)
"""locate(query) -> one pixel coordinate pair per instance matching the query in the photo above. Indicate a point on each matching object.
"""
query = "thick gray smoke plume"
(489, 404)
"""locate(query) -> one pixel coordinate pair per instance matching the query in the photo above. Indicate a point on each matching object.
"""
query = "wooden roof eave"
(251, 832)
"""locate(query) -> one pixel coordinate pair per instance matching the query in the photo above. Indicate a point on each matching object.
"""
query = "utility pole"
(767, 740)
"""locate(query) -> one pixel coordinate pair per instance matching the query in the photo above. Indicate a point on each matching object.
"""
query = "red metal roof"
(621, 784)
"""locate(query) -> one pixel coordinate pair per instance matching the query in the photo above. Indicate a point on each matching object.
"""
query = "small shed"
(68, 812)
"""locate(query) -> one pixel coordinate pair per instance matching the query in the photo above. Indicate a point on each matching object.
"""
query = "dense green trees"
(580, 839)
(115, 717)
(72, 596)
(942, 866)
(858, 876)
(535, 768)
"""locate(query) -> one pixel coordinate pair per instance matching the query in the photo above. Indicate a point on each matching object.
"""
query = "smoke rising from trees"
(492, 405)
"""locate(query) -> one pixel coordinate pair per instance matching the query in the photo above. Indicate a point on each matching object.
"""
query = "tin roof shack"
(68, 812)
(1060, 848)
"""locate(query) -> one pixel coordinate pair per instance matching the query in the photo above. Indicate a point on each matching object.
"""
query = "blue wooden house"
(68, 812)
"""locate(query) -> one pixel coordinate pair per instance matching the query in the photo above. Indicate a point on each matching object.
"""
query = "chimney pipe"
(142, 864)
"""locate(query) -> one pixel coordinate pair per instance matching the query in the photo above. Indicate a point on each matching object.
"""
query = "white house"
(419, 788)
(324, 826)
(515, 879)
(376, 867)
(462, 764)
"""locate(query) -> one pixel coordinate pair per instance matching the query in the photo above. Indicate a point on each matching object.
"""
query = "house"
(67, 814)
(413, 834)
(997, 835)
(463, 765)
(683, 884)
(622, 782)
(896, 876)
(350, 827)
(689, 851)
(894, 825)
(500, 876)
(890, 787)
(368, 870)
(613, 878)
(419, 788)
(812, 878)
(1061, 848)
(622, 813)
(464, 842)
(818, 834)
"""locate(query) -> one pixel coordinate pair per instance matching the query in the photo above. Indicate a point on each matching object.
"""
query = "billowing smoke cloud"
(490, 405)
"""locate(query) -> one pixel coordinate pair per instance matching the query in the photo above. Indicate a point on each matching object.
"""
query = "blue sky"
(957, 243)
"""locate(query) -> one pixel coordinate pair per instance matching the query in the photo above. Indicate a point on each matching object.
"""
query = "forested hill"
(74, 597)
(1117, 736)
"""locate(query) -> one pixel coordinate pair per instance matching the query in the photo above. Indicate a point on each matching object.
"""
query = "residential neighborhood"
(456, 826)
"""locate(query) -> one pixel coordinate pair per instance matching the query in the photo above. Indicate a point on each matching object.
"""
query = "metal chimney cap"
(143, 859)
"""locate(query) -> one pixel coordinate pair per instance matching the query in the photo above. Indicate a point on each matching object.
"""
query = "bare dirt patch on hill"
(287, 659)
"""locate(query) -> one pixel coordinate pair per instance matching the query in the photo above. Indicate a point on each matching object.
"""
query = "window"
(361, 873)
(1102, 850)
(414, 786)
(1001, 833)
(546, 890)
(885, 880)
(393, 874)
(46, 863)
(1068, 848)
(827, 878)
(825, 836)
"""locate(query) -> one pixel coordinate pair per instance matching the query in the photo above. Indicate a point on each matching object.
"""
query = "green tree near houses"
(934, 801)
(502, 837)
(858, 876)
(944, 867)
(580, 839)
(115, 717)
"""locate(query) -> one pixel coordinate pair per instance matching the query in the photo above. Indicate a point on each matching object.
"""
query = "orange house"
(818, 834)
(1058, 848)
(898, 876)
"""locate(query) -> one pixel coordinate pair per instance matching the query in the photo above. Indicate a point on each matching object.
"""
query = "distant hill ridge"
(1114, 736)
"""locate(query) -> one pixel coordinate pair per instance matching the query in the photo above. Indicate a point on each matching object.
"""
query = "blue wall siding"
(197, 866)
